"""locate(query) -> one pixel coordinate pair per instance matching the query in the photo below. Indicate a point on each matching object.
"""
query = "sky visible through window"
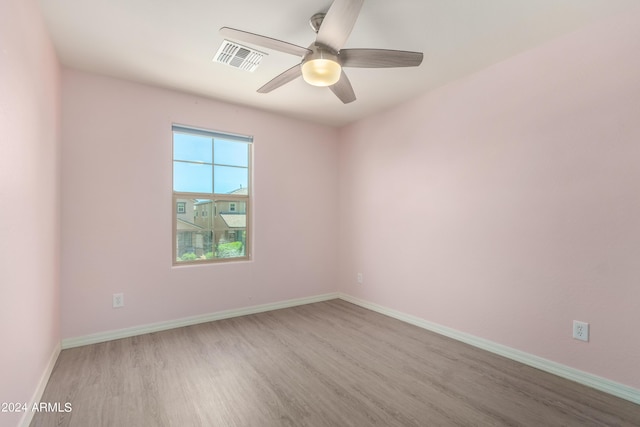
(203, 164)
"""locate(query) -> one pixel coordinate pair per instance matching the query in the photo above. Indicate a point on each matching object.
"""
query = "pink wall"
(507, 204)
(504, 205)
(116, 213)
(29, 193)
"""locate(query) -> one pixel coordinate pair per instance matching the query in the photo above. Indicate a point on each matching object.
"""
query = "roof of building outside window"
(235, 220)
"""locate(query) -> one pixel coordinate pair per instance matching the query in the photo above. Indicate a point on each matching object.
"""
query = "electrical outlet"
(580, 330)
(360, 278)
(118, 300)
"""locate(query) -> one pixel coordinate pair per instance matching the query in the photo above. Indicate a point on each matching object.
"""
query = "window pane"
(230, 229)
(231, 180)
(231, 153)
(194, 148)
(194, 231)
(192, 177)
(210, 229)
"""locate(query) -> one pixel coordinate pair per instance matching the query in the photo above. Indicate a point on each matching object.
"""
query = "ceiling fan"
(323, 60)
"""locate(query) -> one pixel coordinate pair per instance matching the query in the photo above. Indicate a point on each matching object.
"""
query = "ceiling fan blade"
(338, 23)
(379, 58)
(264, 41)
(282, 79)
(343, 89)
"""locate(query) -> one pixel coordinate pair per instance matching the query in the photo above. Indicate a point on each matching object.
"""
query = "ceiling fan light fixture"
(323, 60)
(321, 68)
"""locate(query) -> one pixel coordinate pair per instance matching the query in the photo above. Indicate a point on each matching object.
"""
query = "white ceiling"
(171, 43)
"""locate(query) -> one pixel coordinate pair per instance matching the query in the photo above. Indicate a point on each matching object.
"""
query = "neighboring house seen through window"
(211, 192)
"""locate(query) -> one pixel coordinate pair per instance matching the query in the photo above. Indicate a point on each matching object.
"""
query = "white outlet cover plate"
(580, 330)
(118, 300)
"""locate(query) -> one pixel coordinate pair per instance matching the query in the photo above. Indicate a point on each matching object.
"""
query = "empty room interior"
(206, 222)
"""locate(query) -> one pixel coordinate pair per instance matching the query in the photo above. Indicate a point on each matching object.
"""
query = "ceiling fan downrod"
(316, 20)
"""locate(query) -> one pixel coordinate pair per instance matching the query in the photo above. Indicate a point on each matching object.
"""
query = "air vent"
(238, 56)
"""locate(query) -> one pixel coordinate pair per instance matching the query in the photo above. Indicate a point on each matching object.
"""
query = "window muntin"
(211, 179)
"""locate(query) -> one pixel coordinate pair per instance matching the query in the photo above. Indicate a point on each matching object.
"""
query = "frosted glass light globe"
(321, 72)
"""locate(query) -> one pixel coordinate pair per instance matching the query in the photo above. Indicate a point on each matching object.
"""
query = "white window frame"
(216, 197)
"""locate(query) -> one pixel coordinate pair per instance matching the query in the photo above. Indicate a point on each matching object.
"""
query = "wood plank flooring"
(325, 364)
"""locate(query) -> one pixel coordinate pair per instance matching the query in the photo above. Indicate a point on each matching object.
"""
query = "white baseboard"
(42, 384)
(187, 321)
(585, 378)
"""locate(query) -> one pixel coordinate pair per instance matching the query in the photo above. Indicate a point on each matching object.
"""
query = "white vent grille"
(238, 56)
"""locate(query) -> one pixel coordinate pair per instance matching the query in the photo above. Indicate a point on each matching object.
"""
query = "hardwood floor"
(325, 364)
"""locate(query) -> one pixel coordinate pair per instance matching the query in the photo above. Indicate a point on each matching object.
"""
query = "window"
(211, 175)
